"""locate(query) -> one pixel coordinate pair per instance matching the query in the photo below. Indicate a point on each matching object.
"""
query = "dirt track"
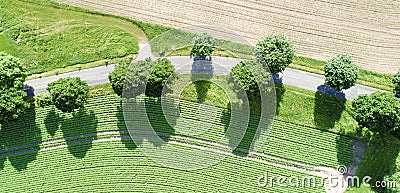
(368, 30)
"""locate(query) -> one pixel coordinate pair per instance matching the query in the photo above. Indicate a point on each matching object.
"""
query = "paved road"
(217, 65)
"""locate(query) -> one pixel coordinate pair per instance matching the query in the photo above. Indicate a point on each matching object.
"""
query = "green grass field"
(294, 105)
(7, 45)
(83, 150)
(177, 42)
(47, 38)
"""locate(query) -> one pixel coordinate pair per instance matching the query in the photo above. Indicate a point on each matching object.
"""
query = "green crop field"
(90, 150)
(47, 38)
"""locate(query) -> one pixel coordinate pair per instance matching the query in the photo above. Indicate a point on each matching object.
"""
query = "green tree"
(12, 71)
(341, 72)
(275, 52)
(12, 104)
(149, 77)
(12, 77)
(249, 76)
(379, 112)
(117, 77)
(396, 82)
(68, 94)
(164, 71)
(203, 45)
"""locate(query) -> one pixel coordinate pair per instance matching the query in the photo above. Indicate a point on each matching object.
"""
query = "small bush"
(43, 100)
(396, 82)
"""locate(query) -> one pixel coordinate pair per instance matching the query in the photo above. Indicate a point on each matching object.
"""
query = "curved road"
(217, 65)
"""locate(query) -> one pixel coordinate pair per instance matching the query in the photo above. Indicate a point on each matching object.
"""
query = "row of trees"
(66, 94)
(276, 53)
(273, 53)
(379, 112)
(145, 77)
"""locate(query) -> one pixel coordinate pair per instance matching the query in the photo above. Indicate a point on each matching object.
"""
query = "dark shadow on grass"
(145, 119)
(329, 106)
(79, 131)
(156, 115)
(280, 91)
(344, 151)
(202, 88)
(202, 71)
(379, 160)
(52, 122)
(16, 135)
(328, 109)
(250, 135)
(123, 130)
(2, 159)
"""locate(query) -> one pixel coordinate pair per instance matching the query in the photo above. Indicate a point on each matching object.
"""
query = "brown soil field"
(367, 30)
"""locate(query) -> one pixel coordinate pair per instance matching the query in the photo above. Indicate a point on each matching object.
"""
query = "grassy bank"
(47, 38)
(78, 67)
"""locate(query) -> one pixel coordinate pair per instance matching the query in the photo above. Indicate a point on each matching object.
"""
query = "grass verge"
(78, 67)
(365, 77)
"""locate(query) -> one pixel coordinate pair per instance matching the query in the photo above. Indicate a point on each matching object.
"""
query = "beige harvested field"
(368, 30)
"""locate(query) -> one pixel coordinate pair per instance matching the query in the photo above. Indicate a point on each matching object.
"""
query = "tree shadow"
(379, 160)
(19, 140)
(202, 71)
(162, 120)
(279, 89)
(52, 122)
(328, 109)
(30, 91)
(3, 159)
(79, 139)
(348, 152)
(250, 135)
(246, 141)
(255, 123)
(123, 130)
(202, 88)
(329, 106)
(146, 119)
